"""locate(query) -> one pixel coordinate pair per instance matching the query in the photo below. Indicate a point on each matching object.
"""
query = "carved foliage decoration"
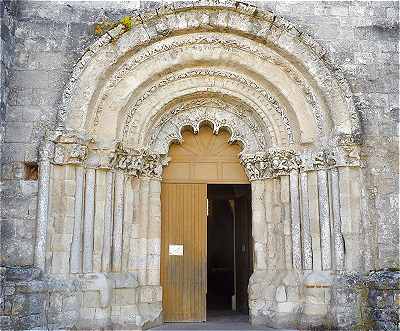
(270, 164)
(69, 148)
(139, 163)
(276, 163)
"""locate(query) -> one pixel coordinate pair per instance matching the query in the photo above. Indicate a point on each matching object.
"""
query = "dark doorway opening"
(229, 247)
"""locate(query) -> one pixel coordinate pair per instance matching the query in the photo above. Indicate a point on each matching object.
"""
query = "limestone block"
(102, 313)
(91, 299)
(153, 277)
(154, 246)
(129, 313)
(315, 309)
(124, 296)
(88, 313)
(115, 311)
(288, 307)
(293, 293)
(315, 295)
(281, 294)
(150, 294)
(60, 263)
(124, 280)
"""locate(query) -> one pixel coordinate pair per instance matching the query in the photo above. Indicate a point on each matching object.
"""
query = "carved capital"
(270, 164)
(277, 163)
(70, 153)
(324, 159)
(349, 139)
(139, 163)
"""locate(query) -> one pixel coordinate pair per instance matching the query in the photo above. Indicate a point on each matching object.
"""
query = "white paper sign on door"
(176, 250)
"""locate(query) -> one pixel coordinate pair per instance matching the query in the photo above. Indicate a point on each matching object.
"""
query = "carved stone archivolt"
(273, 104)
(242, 125)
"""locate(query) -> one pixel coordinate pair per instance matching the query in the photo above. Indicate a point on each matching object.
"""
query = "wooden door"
(184, 251)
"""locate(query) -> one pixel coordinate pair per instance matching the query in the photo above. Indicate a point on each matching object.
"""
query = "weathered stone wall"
(361, 38)
(49, 38)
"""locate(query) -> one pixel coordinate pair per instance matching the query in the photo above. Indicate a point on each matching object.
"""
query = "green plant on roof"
(103, 27)
(126, 21)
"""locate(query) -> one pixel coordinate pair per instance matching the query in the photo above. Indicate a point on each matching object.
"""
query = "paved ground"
(216, 321)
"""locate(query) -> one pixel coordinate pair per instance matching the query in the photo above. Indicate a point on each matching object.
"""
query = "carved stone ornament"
(274, 163)
(242, 125)
(324, 159)
(270, 164)
(46, 150)
(70, 153)
(139, 163)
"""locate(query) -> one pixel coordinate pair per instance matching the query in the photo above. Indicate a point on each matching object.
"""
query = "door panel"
(183, 277)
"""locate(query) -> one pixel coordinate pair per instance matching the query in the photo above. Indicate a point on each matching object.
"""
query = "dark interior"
(229, 249)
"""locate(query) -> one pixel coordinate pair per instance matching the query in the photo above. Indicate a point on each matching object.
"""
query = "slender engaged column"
(295, 215)
(118, 222)
(324, 220)
(259, 225)
(143, 233)
(88, 230)
(43, 206)
(305, 225)
(337, 222)
(76, 245)
(127, 222)
(285, 199)
(154, 233)
(313, 212)
(108, 223)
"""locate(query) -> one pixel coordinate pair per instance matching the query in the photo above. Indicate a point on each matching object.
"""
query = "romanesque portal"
(134, 92)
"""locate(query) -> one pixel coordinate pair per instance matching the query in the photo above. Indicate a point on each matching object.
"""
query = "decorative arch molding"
(232, 67)
(297, 52)
(244, 129)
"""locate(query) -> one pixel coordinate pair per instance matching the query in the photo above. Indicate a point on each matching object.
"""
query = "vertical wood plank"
(184, 222)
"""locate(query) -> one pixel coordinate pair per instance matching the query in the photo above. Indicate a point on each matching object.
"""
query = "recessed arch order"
(283, 71)
(238, 69)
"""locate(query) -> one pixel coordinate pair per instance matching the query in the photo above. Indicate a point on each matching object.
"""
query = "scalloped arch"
(108, 74)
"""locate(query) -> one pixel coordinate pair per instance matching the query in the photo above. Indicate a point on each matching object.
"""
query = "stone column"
(88, 224)
(108, 224)
(43, 204)
(286, 220)
(324, 219)
(305, 225)
(337, 222)
(259, 226)
(143, 232)
(76, 245)
(295, 216)
(154, 233)
(118, 222)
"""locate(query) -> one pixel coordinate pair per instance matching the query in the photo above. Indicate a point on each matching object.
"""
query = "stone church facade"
(308, 90)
